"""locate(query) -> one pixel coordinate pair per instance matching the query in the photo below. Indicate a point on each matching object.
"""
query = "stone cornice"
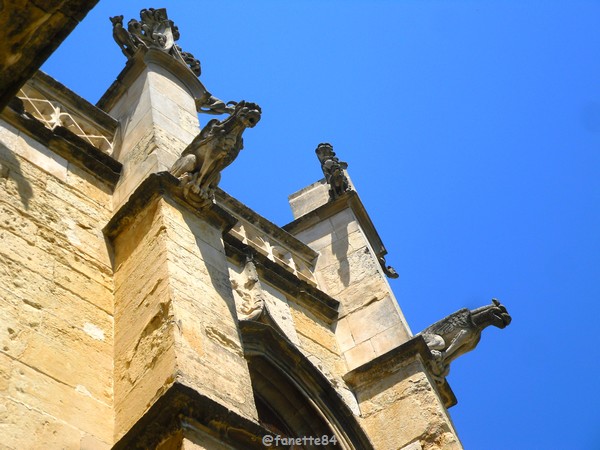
(182, 408)
(390, 362)
(163, 184)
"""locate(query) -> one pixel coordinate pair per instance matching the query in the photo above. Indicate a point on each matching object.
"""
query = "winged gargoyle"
(460, 333)
(218, 144)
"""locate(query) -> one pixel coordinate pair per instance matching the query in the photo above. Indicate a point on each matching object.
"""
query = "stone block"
(372, 319)
(310, 326)
(359, 355)
(280, 311)
(344, 335)
(402, 406)
(89, 186)
(25, 253)
(390, 338)
(84, 287)
(25, 428)
(37, 154)
(144, 390)
(66, 403)
(309, 198)
(317, 236)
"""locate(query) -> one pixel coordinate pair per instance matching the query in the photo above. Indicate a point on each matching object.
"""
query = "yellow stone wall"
(56, 332)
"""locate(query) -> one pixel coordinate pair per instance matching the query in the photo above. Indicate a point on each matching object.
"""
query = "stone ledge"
(390, 362)
(65, 144)
(182, 408)
(315, 300)
(163, 184)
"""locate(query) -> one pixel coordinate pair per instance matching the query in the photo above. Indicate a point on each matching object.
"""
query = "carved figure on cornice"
(460, 333)
(216, 146)
(249, 290)
(333, 169)
(154, 30)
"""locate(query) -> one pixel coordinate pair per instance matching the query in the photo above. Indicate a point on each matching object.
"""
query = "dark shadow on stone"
(10, 167)
(340, 247)
(219, 279)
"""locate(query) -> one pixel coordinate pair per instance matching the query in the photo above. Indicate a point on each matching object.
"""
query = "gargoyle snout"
(252, 118)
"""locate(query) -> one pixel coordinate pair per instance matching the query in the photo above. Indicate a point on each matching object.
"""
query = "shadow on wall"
(340, 248)
(10, 168)
(219, 276)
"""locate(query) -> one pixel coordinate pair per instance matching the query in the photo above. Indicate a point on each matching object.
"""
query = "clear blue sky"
(472, 134)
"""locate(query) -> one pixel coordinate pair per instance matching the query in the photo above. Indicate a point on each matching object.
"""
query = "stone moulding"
(391, 361)
(65, 144)
(315, 300)
(350, 200)
(181, 408)
(163, 184)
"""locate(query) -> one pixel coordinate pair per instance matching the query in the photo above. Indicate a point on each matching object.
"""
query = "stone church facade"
(140, 309)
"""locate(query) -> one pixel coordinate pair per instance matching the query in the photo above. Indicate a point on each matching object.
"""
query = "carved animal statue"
(218, 144)
(122, 37)
(333, 169)
(460, 333)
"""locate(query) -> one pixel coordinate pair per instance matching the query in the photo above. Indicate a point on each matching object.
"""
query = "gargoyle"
(333, 169)
(460, 333)
(218, 144)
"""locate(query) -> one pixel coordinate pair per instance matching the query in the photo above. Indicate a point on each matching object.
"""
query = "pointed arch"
(291, 394)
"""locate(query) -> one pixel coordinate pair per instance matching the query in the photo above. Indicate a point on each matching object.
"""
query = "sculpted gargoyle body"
(460, 333)
(218, 144)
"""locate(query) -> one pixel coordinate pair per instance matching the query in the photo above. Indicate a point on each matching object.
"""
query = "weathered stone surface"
(72, 405)
(405, 405)
(24, 428)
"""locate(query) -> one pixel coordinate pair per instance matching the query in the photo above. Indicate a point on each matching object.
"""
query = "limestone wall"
(56, 332)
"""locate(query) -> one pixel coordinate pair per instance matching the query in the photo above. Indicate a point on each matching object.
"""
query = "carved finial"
(460, 333)
(154, 30)
(216, 146)
(333, 169)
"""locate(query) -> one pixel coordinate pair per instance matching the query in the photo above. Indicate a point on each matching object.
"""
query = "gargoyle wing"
(459, 319)
(204, 133)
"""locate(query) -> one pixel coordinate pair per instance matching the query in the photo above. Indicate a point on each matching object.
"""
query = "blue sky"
(472, 134)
